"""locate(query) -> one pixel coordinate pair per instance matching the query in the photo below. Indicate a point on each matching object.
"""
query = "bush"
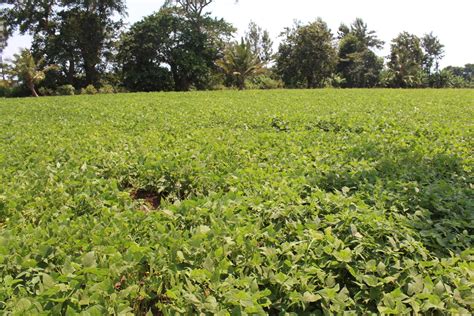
(221, 87)
(335, 81)
(46, 91)
(18, 92)
(121, 90)
(4, 89)
(90, 89)
(264, 82)
(66, 90)
(107, 89)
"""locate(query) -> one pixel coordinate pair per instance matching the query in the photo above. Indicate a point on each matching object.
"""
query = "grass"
(238, 203)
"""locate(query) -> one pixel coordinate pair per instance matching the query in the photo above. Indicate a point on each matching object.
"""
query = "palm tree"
(240, 63)
(26, 69)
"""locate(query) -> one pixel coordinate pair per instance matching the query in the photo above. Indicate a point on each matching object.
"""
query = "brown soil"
(151, 198)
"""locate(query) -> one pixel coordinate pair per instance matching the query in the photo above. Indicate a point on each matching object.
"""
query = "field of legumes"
(238, 203)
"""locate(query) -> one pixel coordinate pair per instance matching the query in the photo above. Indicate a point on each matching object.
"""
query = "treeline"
(82, 47)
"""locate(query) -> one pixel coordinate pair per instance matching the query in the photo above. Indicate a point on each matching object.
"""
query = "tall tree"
(143, 53)
(168, 45)
(406, 61)
(307, 56)
(240, 62)
(27, 71)
(434, 52)
(71, 33)
(358, 64)
(260, 42)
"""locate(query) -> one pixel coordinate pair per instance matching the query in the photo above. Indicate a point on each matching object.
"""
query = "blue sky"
(451, 21)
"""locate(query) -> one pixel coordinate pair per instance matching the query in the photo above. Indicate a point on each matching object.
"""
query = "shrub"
(264, 82)
(220, 87)
(46, 91)
(66, 90)
(335, 81)
(107, 89)
(90, 89)
(18, 92)
(121, 90)
(4, 89)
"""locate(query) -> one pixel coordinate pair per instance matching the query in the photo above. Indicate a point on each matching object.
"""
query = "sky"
(451, 21)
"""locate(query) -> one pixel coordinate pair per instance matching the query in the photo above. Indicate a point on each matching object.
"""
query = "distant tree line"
(83, 46)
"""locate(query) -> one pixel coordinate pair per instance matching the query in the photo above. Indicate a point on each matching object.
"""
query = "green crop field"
(236, 203)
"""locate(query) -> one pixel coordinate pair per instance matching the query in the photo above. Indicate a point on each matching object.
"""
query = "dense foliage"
(240, 63)
(238, 203)
(307, 55)
(170, 51)
(75, 35)
(181, 47)
(358, 65)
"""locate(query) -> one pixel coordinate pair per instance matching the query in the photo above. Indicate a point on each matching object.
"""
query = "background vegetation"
(183, 47)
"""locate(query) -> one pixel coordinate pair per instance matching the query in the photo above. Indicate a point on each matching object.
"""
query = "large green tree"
(260, 42)
(358, 65)
(433, 53)
(406, 61)
(170, 50)
(75, 34)
(144, 50)
(307, 56)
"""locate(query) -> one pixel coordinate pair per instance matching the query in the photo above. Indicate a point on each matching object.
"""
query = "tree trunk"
(71, 71)
(309, 82)
(33, 90)
(91, 72)
(241, 83)
(180, 83)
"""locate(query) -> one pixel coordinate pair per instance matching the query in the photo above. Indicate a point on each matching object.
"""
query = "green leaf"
(371, 280)
(344, 255)
(310, 298)
(22, 305)
(203, 229)
(88, 260)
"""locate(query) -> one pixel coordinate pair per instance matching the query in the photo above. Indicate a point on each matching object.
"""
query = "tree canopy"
(358, 65)
(166, 51)
(75, 34)
(183, 47)
(307, 55)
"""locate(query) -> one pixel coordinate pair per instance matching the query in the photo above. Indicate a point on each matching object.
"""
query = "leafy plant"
(26, 69)
(253, 202)
(240, 63)
(90, 89)
(66, 90)
(107, 89)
